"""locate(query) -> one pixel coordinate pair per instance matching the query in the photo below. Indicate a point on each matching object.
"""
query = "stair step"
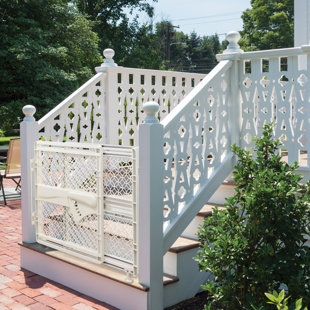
(207, 209)
(229, 183)
(99, 269)
(183, 244)
(169, 279)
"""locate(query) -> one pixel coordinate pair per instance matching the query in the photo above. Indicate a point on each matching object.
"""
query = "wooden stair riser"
(224, 191)
(190, 278)
(192, 229)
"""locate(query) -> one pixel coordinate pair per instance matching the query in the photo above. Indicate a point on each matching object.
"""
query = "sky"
(206, 17)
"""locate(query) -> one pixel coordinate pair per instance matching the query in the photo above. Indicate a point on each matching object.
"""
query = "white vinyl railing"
(80, 117)
(130, 88)
(196, 140)
(108, 108)
(274, 87)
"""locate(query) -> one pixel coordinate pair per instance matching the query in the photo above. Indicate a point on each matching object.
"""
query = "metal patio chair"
(12, 167)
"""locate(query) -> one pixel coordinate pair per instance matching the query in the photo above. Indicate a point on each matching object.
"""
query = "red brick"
(69, 300)
(61, 306)
(24, 300)
(39, 306)
(46, 300)
(50, 292)
(5, 300)
(18, 306)
(10, 292)
(30, 292)
(16, 285)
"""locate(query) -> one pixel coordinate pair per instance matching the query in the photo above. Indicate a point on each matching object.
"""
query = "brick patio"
(21, 289)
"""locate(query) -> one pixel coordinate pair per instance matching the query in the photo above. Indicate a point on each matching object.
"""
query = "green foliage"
(281, 302)
(47, 50)
(269, 24)
(258, 241)
(113, 27)
(182, 52)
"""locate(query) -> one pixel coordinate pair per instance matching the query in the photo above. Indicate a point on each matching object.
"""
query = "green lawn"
(6, 140)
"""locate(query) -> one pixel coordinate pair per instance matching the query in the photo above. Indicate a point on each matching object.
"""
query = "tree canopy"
(47, 50)
(269, 24)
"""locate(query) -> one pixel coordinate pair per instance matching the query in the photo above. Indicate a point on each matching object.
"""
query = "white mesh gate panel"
(85, 201)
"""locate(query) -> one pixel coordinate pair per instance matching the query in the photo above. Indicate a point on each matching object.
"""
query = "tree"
(112, 24)
(269, 24)
(47, 49)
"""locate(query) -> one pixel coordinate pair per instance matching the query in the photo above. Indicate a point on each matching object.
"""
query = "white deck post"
(150, 262)
(29, 135)
(111, 134)
(233, 52)
(301, 22)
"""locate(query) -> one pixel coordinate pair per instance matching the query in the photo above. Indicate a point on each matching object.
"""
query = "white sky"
(206, 17)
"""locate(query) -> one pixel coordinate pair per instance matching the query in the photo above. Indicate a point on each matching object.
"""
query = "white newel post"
(28, 136)
(110, 108)
(150, 262)
(232, 53)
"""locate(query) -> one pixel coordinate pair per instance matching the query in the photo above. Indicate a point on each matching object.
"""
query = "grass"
(6, 140)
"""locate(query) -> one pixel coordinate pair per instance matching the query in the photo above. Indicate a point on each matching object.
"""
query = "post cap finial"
(29, 111)
(150, 108)
(108, 54)
(233, 47)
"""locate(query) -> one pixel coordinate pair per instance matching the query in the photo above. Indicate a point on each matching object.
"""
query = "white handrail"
(274, 53)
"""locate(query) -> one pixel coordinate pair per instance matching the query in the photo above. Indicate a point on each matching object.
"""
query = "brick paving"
(22, 289)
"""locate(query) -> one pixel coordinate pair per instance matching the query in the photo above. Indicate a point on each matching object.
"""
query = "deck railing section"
(129, 89)
(196, 139)
(86, 201)
(80, 117)
(274, 87)
(108, 108)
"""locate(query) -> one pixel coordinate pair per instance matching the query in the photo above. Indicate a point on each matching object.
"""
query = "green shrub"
(257, 243)
(281, 302)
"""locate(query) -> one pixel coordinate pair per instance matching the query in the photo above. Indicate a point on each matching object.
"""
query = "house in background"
(113, 212)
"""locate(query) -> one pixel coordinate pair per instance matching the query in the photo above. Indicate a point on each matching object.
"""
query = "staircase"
(140, 213)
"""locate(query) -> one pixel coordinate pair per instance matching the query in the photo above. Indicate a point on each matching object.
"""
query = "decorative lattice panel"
(108, 108)
(80, 117)
(195, 143)
(86, 199)
(276, 90)
(133, 87)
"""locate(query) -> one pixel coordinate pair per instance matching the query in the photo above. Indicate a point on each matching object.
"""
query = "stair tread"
(207, 209)
(229, 183)
(183, 244)
(100, 269)
(168, 279)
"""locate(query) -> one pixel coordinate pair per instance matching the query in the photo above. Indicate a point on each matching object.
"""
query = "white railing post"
(233, 53)
(110, 98)
(28, 135)
(150, 262)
